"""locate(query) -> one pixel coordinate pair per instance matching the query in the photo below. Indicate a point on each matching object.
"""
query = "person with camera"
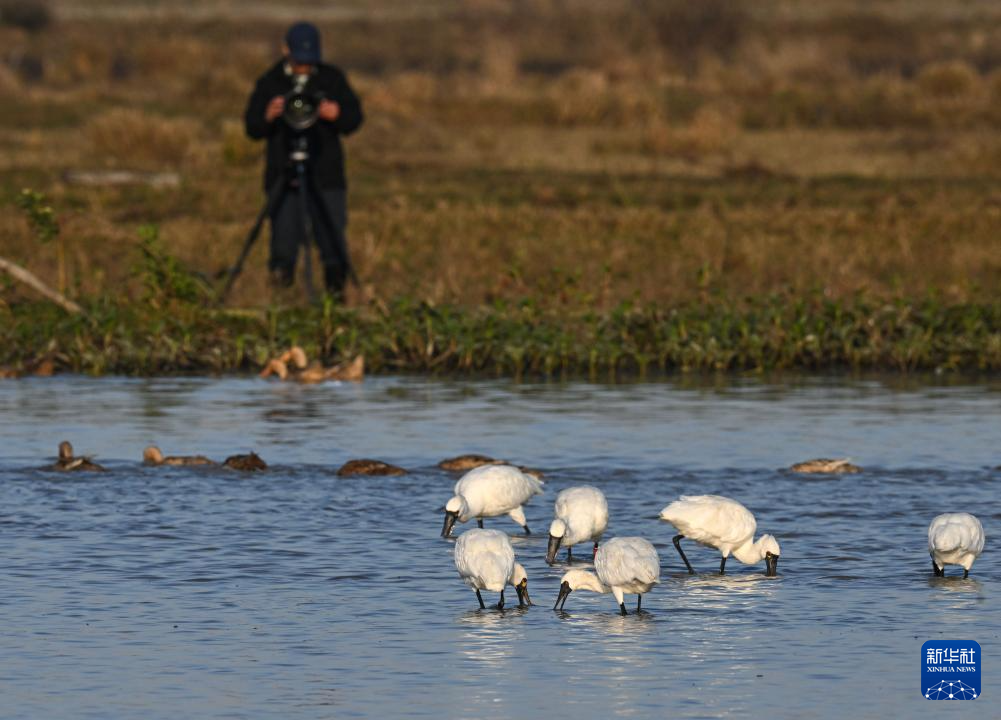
(302, 104)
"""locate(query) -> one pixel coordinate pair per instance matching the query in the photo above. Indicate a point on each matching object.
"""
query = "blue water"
(192, 592)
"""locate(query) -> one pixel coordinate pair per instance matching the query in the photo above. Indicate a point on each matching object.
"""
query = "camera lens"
(301, 110)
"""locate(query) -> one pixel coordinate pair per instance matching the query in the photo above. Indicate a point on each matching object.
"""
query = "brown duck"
(468, 462)
(826, 466)
(68, 462)
(153, 456)
(248, 463)
(369, 467)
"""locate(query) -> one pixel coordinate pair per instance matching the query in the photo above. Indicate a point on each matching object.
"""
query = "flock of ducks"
(490, 488)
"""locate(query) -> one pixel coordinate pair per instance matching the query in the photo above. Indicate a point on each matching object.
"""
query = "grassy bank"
(541, 186)
(518, 339)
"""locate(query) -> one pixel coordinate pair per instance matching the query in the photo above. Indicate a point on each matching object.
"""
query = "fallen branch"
(19, 273)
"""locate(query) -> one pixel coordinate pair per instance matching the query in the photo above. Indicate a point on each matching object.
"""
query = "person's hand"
(329, 110)
(275, 108)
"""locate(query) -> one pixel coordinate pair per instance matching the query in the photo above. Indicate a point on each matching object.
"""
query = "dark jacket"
(324, 137)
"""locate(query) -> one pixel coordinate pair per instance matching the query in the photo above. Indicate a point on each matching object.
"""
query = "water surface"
(295, 593)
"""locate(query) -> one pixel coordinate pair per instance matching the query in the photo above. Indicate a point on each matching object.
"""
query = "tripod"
(311, 209)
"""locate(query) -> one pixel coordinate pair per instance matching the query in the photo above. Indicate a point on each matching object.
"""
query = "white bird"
(581, 514)
(724, 524)
(485, 561)
(955, 539)
(489, 491)
(624, 565)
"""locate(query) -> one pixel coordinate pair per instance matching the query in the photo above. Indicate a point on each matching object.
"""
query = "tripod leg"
(307, 221)
(275, 196)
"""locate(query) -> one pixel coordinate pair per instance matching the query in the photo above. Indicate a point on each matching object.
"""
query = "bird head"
(576, 580)
(556, 532)
(770, 550)
(519, 578)
(455, 509)
(65, 450)
(152, 455)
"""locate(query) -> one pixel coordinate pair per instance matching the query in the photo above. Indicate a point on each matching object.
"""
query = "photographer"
(338, 112)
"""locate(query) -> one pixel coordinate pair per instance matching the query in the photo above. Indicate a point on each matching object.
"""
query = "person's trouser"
(288, 234)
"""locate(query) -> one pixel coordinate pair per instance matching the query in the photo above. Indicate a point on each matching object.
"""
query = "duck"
(485, 561)
(369, 467)
(721, 523)
(153, 456)
(490, 491)
(248, 463)
(955, 539)
(581, 514)
(826, 466)
(68, 462)
(462, 463)
(623, 565)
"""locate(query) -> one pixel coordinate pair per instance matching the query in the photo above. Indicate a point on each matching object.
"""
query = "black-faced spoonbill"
(485, 561)
(581, 514)
(489, 491)
(724, 524)
(624, 565)
(955, 539)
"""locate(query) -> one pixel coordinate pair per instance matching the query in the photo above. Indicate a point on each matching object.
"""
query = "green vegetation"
(616, 188)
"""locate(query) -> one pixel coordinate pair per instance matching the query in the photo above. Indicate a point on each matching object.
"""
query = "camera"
(302, 105)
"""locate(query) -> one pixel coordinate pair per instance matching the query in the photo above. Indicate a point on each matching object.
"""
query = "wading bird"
(485, 561)
(369, 467)
(68, 462)
(825, 466)
(490, 491)
(624, 565)
(955, 539)
(724, 524)
(247, 463)
(153, 456)
(581, 515)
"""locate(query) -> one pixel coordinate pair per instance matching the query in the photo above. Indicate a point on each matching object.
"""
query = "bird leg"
(639, 599)
(966, 573)
(622, 608)
(500, 603)
(677, 545)
(569, 554)
(527, 531)
(479, 521)
(478, 597)
(722, 565)
(939, 572)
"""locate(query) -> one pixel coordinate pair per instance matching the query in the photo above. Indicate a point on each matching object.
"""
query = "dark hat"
(303, 40)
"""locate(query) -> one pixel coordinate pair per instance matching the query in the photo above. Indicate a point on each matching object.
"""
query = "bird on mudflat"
(724, 524)
(955, 539)
(623, 565)
(581, 515)
(250, 462)
(485, 561)
(152, 455)
(68, 462)
(490, 491)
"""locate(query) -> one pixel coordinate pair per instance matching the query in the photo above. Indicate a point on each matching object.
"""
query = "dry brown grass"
(577, 152)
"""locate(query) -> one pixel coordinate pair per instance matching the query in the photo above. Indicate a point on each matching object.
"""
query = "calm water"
(167, 593)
